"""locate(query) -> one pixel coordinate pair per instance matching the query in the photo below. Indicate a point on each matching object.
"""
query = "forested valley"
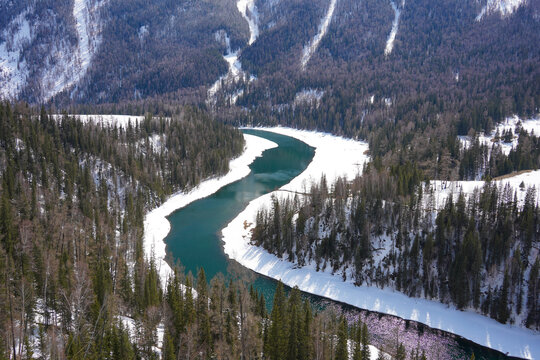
(75, 282)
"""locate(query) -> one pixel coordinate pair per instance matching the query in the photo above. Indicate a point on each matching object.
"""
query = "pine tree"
(503, 312)
(203, 318)
(342, 352)
(365, 342)
(277, 339)
(168, 347)
(357, 355)
(533, 319)
(304, 352)
(295, 324)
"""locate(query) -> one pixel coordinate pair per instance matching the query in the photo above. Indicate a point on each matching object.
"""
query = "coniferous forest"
(75, 280)
(474, 252)
(75, 283)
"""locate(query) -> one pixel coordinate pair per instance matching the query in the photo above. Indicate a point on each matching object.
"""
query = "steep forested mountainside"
(372, 57)
(440, 50)
(105, 51)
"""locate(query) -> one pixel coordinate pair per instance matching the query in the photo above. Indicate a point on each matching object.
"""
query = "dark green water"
(195, 236)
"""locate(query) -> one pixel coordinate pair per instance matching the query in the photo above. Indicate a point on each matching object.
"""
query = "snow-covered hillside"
(67, 66)
(41, 53)
(249, 12)
(13, 67)
(233, 75)
(504, 7)
(248, 9)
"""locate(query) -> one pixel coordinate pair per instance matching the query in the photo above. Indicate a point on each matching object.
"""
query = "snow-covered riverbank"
(337, 156)
(156, 225)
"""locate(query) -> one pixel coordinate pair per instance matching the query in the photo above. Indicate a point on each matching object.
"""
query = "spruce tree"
(277, 339)
(342, 352)
(365, 342)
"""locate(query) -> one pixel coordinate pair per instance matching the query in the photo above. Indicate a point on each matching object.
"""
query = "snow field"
(121, 121)
(335, 156)
(70, 65)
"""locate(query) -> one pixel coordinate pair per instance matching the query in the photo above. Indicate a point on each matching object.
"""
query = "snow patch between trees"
(309, 97)
(504, 7)
(395, 24)
(334, 156)
(512, 123)
(156, 225)
(121, 121)
(310, 49)
(233, 75)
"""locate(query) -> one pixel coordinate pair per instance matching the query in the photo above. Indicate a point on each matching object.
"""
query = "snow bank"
(390, 42)
(156, 225)
(334, 156)
(310, 49)
(504, 7)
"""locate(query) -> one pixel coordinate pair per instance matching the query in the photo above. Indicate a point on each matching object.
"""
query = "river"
(195, 241)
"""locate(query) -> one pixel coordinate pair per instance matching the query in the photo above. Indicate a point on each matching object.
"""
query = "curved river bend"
(195, 241)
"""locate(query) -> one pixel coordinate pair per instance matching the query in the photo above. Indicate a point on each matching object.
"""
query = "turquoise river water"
(195, 236)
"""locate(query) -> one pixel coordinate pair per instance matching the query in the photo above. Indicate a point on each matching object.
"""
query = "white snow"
(13, 69)
(121, 121)
(390, 41)
(309, 96)
(504, 7)
(156, 225)
(442, 189)
(310, 49)
(249, 12)
(234, 74)
(248, 9)
(69, 66)
(511, 123)
(334, 156)
(235, 70)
